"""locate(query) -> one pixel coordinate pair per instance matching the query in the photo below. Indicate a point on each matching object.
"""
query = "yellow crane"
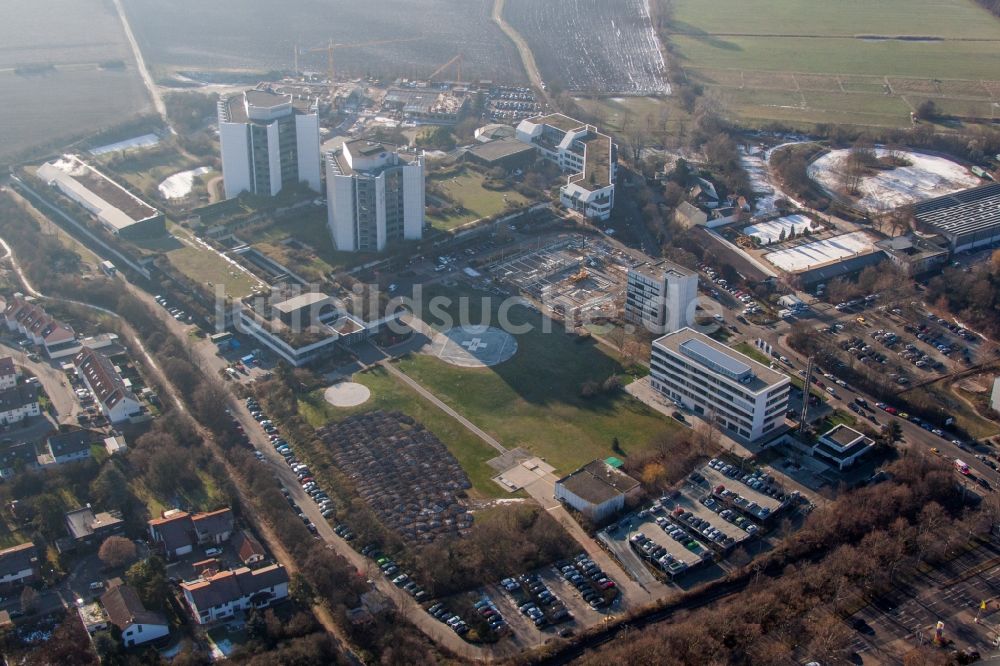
(457, 61)
(331, 46)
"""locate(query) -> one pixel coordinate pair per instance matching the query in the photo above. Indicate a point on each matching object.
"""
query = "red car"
(890, 410)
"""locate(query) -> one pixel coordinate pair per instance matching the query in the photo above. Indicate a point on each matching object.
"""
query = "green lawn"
(388, 393)
(754, 353)
(466, 189)
(310, 228)
(533, 400)
(204, 266)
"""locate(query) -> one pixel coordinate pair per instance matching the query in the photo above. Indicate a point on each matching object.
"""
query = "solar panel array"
(965, 212)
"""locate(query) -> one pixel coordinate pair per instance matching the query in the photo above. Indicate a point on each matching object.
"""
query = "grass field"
(310, 228)
(466, 190)
(204, 266)
(388, 393)
(533, 400)
(819, 53)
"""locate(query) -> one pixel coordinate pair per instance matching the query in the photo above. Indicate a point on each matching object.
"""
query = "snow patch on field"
(770, 232)
(927, 177)
(179, 185)
(804, 257)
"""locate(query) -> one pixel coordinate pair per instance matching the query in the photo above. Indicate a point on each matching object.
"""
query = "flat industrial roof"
(722, 355)
(501, 148)
(962, 212)
(843, 435)
(597, 482)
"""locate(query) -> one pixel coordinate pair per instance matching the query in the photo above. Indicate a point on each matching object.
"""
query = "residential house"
(16, 457)
(125, 611)
(113, 395)
(88, 527)
(222, 595)
(8, 373)
(248, 548)
(177, 532)
(18, 565)
(56, 338)
(72, 446)
(18, 403)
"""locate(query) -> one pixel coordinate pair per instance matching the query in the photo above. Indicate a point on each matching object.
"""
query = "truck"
(108, 268)
(962, 467)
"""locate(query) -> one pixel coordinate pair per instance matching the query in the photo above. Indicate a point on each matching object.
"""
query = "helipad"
(347, 394)
(474, 346)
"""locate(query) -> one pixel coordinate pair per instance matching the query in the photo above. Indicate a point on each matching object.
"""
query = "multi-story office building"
(746, 398)
(589, 156)
(661, 296)
(269, 141)
(375, 196)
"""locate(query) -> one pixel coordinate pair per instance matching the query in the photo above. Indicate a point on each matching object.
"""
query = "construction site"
(576, 277)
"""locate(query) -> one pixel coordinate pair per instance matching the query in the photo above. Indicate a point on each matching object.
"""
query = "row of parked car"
(657, 554)
(588, 578)
(491, 615)
(176, 313)
(301, 470)
(441, 612)
(535, 600)
(704, 527)
(389, 567)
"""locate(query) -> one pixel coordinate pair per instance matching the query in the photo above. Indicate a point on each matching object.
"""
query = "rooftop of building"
(124, 608)
(657, 270)
(597, 482)
(18, 396)
(499, 149)
(226, 586)
(101, 376)
(7, 367)
(263, 97)
(912, 245)
(559, 121)
(305, 300)
(73, 441)
(366, 148)
(962, 212)
(98, 189)
(83, 522)
(18, 558)
(598, 149)
(703, 351)
(842, 435)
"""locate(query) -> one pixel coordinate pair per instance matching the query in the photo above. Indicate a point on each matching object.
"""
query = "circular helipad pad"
(474, 346)
(347, 394)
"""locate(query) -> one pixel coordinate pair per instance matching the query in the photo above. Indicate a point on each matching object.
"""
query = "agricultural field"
(593, 46)
(71, 81)
(804, 61)
(534, 399)
(466, 190)
(416, 36)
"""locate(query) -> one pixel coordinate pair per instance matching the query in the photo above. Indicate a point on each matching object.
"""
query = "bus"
(962, 467)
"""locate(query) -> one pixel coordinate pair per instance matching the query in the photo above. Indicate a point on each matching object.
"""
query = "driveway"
(52, 379)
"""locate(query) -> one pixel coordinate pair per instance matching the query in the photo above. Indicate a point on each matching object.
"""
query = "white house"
(222, 595)
(18, 565)
(18, 403)
(116, 399)
(661, 296)
(125, 611)
(8, 373)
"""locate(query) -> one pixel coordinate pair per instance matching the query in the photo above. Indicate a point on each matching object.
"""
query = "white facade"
(746, 398)
(995, 397)
(578, 148)
(268, 141)
(17, 413)
(139, 633)
(375, 196)
(596, 512)
(661, 297)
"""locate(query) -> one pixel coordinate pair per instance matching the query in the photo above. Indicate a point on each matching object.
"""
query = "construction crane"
(331, 46)
(457, 61)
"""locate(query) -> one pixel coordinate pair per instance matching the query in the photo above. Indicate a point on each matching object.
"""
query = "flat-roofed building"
(968, 219)
(914, 254)
(841, 446)
(748, 399)
(506, 153)
(375, 195)
(661, 296)
(598, 490)
(269, 141)
(590, 157)
(118, 210)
